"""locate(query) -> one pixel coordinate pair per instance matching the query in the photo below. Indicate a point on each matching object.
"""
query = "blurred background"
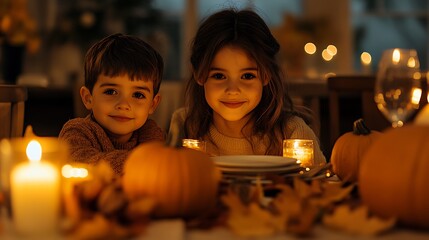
(43, 41)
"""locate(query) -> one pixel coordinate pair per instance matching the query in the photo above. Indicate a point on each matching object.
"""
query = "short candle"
(301, 149)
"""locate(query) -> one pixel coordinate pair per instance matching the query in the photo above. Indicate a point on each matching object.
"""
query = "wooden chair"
(12, 99)
(361, 87)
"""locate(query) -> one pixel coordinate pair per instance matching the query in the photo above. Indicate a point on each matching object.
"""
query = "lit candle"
(35, 194)
(300, 149)
(194, 144)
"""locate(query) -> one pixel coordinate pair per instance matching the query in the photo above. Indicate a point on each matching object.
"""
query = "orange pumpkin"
(349, 149)
(394, 175)
(182, 181)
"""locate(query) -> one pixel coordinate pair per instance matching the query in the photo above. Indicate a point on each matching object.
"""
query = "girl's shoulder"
(295, 124)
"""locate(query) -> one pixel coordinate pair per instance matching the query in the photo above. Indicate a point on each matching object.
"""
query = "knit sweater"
(220, 144)
(89, 142)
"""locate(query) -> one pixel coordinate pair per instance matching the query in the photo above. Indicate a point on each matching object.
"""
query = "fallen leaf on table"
(293, 206)
(332, 192)
(251, 220)
(357, 221)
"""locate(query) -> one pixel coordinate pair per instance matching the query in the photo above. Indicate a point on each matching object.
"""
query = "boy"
(122, 78)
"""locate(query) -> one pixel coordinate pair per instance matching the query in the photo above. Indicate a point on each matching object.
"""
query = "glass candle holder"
(300, 149)
(194, 144)
(31, 183)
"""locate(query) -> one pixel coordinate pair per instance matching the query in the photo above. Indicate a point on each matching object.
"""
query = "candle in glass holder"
(35, 192)
(194, 144)
(300, 149)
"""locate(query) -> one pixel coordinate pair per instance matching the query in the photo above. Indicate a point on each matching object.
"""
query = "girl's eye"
(110, 92)
(218, 76)
(139, 95)
(248, 76)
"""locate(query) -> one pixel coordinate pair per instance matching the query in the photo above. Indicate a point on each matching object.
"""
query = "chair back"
(361, 87)
(12, 108)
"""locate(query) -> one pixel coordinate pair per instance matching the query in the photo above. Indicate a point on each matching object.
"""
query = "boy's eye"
(139, 95)
(248, 76)
(217, 76)
(110, 92)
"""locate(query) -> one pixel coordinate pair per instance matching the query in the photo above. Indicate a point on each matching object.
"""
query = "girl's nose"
(232, 87)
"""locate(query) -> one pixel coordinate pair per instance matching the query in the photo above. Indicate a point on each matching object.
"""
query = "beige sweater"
(219, 144)
(89, 143)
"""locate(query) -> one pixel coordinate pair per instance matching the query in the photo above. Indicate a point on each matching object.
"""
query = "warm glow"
(332, 50)
(69, 171)
(310, 48)
(326, 56)
(366, 58)
(300, 149)
(417, 75)
(416, 95)
(396, 56)
(34, 151)
(411, 62)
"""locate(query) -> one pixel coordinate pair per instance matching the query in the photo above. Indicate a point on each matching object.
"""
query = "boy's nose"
(123, 104)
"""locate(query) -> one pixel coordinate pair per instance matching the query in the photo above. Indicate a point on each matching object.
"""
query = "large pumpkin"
(394, 175)
(182, 181)
(349, 149)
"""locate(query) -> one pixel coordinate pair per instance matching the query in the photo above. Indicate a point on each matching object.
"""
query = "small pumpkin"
(394, 175)
(349, 149)
(182, 181)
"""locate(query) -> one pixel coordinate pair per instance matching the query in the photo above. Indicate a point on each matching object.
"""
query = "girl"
(235, 99)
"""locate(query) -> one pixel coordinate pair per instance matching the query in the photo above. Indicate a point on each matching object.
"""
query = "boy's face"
(120, 105)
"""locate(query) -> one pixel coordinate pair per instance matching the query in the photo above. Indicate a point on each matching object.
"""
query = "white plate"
(253, 161)
(254, 170)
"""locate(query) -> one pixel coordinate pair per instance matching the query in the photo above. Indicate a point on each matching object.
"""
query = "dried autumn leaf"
(356, 221)
(293, 206)
(302, 189)
(332, 192)
(96, 228)
(255, 222)
(251, 220)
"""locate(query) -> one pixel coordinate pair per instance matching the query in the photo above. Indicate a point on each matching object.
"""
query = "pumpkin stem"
(360, 128)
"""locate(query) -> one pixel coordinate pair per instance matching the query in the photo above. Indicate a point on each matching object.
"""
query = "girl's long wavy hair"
(247, 30)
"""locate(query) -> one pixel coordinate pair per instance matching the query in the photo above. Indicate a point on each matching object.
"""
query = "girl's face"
(233, 87)
(120, 105)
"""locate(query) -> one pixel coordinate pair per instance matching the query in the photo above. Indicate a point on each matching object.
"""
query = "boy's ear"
(86, 96)
(155, 102)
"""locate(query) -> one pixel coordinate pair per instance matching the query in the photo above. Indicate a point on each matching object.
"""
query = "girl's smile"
(233, 104)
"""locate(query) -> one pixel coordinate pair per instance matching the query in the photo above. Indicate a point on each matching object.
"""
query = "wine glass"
(398, 86)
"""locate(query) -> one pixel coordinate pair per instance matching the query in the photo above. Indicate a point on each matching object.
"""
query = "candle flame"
(416, 95)
(396, 56)
(34, 151)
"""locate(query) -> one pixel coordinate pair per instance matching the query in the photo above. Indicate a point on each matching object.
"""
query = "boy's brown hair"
(120, 54)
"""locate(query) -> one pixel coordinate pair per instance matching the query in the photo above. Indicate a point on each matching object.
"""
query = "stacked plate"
(256, 165)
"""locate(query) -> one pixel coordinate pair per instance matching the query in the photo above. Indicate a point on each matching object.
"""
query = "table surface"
(174, 229)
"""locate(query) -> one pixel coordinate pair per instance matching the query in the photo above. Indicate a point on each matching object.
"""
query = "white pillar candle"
(35, 189)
